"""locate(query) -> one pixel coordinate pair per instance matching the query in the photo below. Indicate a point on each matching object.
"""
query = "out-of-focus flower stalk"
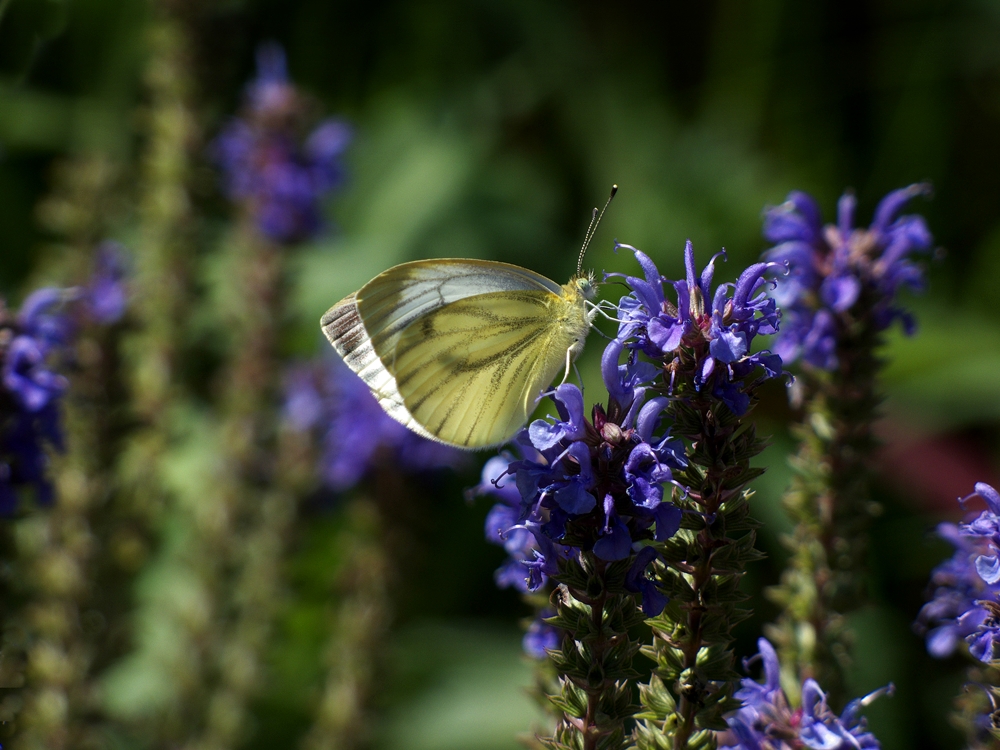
(276, 184)
(838, 298)
(163, 254)
(830, 503)
(150, 495)
(79, 555)
(72, 557)
(254, 507)
(360, 451)
(355, 650)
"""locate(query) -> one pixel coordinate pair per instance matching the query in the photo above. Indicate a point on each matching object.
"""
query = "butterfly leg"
(569, 362)
(594, 310)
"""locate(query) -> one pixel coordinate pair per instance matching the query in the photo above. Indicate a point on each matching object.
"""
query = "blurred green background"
(490, 129)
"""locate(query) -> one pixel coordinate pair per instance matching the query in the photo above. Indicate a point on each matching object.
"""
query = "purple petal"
(37, 303)
(653, 600)
(706, 369)
(988, 568)
(610, 372)
(845, 213)
(981, 645)
(689, 267)
(569, 402)
(941, 642)
(840, 292)
(746, 284)
(705, 283)
(615, 545)
(649, 416)
(893, 203)
(728, 346)
(772, 669)
(668, 520)
(990, 495)
(666, 338)
(544, 435)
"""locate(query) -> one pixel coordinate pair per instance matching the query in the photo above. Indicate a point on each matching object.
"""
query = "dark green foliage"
(596, 695)
(692, 687)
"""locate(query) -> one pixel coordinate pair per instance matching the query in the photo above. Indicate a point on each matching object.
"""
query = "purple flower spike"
(832, 267)
(266, 167)
(589, 486)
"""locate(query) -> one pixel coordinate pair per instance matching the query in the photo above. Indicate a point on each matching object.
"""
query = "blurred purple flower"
(955, 586)
(354, 432)
(277, 175)
(32, 344)
(541, 637)
(30, 391)
(832, 266)
(105, 296)
(965, 600)
(767, 722)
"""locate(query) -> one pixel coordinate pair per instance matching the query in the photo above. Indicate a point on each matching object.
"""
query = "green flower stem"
(693, 681)
(381, 550)
(595, 662)
(829, 502)
(160, 289)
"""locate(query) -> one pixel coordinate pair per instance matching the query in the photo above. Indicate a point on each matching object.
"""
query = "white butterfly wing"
(470, 372)
(466, 374)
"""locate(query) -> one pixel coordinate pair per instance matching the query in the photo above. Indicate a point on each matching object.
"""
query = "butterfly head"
(585, 285)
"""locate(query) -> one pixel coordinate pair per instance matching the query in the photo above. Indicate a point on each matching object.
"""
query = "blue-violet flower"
(717, 327)
(593, 485)
(767, 722)
(831, 267)
(966, 603)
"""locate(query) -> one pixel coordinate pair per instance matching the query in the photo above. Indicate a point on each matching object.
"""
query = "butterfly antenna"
(595, 221)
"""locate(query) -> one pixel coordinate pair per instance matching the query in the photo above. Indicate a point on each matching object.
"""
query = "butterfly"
(459, 350)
